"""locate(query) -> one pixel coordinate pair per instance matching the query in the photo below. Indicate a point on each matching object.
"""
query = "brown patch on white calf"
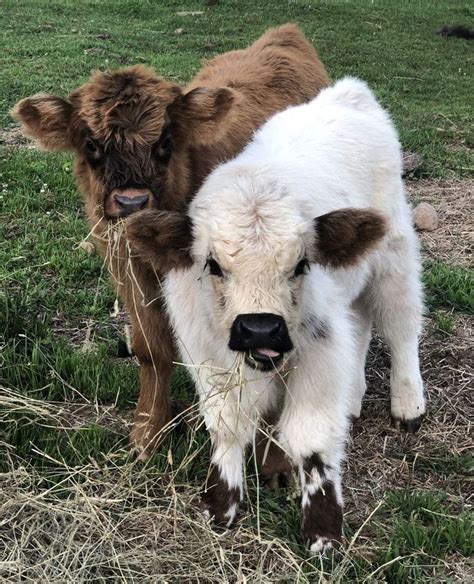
(219, 497)
(316, 328)
(343, 236)
(322, 514)
(313, 462)
(322, 517)
(161, 238)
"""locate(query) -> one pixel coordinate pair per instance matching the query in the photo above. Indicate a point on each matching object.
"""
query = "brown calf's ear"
(343, 236)
(45, 118)
(161, 238)
(205, 114)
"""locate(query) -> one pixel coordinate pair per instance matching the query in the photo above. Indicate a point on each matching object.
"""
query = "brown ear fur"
(345, 235)
(199, 115)
(161, 238)
(46, 118)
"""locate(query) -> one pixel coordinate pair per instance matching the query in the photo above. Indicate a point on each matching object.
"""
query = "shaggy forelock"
(252, 218)
(125, 108)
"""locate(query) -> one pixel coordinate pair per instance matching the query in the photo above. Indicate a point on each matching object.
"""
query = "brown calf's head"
(129, 130)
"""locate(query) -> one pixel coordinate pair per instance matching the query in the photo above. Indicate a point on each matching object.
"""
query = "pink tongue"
(267, 353)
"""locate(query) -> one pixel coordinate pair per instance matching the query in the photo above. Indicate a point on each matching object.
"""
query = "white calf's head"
(252, 244)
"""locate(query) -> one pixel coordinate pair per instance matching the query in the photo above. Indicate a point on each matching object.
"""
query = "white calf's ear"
(345, 235)
(161, 238)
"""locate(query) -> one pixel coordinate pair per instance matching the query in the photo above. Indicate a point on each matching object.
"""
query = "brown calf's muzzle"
(122, 202)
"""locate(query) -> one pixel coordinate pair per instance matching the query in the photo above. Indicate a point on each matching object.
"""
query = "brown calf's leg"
(154, 348)
(274, 466)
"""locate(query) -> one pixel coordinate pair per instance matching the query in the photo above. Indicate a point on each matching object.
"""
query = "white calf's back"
(339, 150)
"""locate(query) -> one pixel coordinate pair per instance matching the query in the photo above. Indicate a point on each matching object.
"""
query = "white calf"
(298, 245)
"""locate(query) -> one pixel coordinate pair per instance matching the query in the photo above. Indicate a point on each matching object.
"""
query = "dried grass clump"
(123, 521)
(453, 240)
(115, 522)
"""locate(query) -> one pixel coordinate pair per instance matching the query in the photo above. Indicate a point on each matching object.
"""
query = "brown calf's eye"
(92, 149)
(164, 147)
(91, 146)
(214, 268)
(166, 144)
(301, 268)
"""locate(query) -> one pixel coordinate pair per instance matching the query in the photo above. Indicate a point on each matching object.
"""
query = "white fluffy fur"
(255, 215)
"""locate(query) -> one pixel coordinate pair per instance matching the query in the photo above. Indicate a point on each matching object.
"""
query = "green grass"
(427, 523)
(444, 324)
(449, 286)
(50, 289)
(424, 79)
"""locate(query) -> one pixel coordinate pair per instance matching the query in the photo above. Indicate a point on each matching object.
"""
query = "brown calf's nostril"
(130, 205)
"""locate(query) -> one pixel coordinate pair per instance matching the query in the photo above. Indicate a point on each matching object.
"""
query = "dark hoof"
(411, 426)
(122, 350)
(219, 517)
(280, 480)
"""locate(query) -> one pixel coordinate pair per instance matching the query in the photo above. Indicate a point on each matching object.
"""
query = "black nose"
(260, 331)
(129, 205)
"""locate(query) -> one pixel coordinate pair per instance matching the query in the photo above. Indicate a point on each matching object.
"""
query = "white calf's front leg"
(398, 312)
(224, 484)
(231, 417)
(321, 497)
(313, 430)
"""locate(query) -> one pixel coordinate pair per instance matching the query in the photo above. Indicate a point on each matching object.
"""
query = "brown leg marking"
(219, 498)
(322, 514)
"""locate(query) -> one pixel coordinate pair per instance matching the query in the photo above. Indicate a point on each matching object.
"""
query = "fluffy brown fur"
(132, 128)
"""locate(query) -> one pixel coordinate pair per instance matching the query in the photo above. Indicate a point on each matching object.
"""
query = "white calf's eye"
(214, 268)
(301, 268)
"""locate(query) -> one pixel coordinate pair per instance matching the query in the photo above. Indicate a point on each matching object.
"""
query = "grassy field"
(73, 507)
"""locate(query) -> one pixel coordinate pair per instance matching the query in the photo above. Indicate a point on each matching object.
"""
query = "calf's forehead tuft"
(249, 219)
(128, 104)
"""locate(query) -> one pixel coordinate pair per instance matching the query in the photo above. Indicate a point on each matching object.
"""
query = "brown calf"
(142, 142)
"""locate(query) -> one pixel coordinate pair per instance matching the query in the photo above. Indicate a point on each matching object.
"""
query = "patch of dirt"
(77, 416)
(85, 334)
(14, 138)
(380, 458)
(453, 240)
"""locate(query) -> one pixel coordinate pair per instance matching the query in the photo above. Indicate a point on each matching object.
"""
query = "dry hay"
(123, 521)
(117, 521)
(453, 200)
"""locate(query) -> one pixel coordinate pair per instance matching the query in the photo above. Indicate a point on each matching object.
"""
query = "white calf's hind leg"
(363, 334)
(397, 301)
